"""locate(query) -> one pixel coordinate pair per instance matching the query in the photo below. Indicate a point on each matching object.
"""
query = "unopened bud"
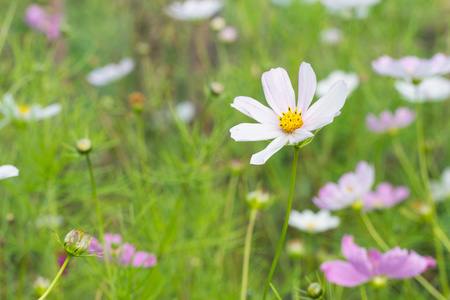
(77, 242)
(258, 199)
(315, 290)
(216, 88)
(424, 210)
(217, 23)
(40, 285)
(416, 81)
(357, 205)
(137, 101)
(10, 218)
(84, 146)
(295, 249)
(236, 166)
(378, 282)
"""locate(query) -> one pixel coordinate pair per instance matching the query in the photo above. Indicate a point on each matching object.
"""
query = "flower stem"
(248, 243)
(61, 270)
(285, 225)
(430, 288)
(362, 289)
(373, 232)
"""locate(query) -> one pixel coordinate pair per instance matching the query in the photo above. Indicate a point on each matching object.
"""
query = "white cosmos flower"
(331, 36)
(13, 111)
(185, 111)
(310, 222)
(109, 73)
(8, 171)
(361, 7)
(193, 9)
(440, 190)
(433, 89)
(351, 79)
(286, 121)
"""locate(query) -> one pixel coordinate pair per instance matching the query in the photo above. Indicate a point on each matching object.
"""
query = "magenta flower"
(411, 67)
(361, 266)
(387, 121)
(125, 253)
(36, 17)
(385, 196)
(350, 188)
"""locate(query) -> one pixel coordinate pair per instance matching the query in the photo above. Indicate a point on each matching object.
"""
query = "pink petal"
(343, 273)
(278, 90)
(255, 110)
(306, 86)
(255, 132)
(405, 265)
(126, 253)
(262, 156)
(323, 111)
(144, 259)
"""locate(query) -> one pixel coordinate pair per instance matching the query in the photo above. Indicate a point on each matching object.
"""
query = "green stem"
(61, 270)
(442, 236)
(275, 291)
(441, 264)
(363, 292)
(141, 141)
(285, 225)
(373, 232)
(430, 288)
(248, 243)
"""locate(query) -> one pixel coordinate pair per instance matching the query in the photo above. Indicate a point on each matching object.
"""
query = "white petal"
(278, 90)
(246, 132)
(299, 135)
(306, 86)
(326, 108)
(7, 171)
(262, 156)
(48, 112)
(255, 110)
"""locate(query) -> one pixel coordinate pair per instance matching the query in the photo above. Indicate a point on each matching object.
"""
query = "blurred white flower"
(281, 2)
(331, 36)
(193, 9)
(440, 190)
(228, 35)
(217, 23)
(49, 221)
(310, 222)
(7, 171)
(13, 111)
(433, 89)
(185, 111)
(109, 73)
(350, 79)
(346, 7)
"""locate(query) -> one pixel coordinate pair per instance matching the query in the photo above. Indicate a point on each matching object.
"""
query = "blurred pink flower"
(385, 196)
(411, 67)
(350, 188)
(387, 121)
(361, 266)
(228, 35)
(61, 260)
(36, 17)
(287, 122)
(124, 253)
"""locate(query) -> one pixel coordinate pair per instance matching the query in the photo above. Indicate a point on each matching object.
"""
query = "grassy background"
(180, 199)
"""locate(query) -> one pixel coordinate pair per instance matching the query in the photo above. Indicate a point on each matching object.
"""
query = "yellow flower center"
(24, 109)
(310, 226)
(291, 120)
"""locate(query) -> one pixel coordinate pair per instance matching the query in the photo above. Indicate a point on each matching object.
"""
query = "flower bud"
(228, 35)
(40, 285)
(258, 199)
(84, 146)
(378, 282)
(357, 205)
(295, 249)
(10, 218)
(136, 101)
(236, 166)
(315, 290)
(424, 210)
(216, 88)
(77, 242)
(217, 23)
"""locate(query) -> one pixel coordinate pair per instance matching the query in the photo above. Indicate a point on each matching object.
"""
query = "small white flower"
(109, 73)
(8, 171)
(228, 35)
(185, 111)
(281, 2)
(331, 36)
(49, 221)
(344, 7)
(351, 79)
(440, 190)
(433, 89)
(310, 222)
(193, 9)
(13, 111)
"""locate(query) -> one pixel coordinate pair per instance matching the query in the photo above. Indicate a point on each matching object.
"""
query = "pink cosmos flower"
(387, 121)
(385, 196)
(361, 266)
(286, 121)
(411, 67)
(350, 188)
(36, 17)
(124, 253)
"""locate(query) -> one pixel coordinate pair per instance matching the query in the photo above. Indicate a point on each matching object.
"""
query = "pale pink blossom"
(286, 121)
(362, 266)
(433, 89)
(384, 196)
(228, 35)
(350, 188)
(387, 121)
(412, 68)
(37, 18)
